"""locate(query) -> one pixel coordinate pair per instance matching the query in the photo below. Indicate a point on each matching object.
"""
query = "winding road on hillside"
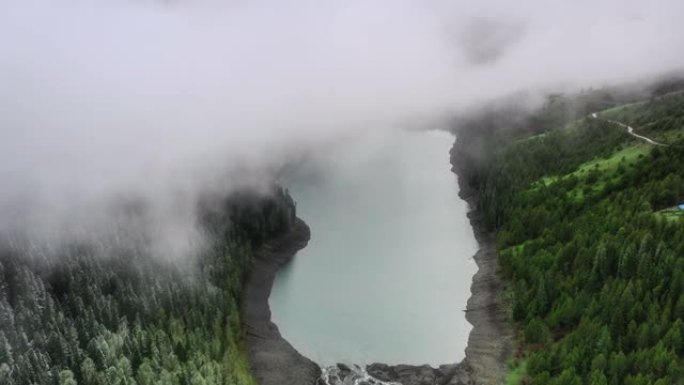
(630, 130)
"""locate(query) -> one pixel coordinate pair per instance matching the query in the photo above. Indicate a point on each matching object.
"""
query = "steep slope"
(596, 271)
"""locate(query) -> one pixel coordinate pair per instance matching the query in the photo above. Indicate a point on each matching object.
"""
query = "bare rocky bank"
(273, 361)
(490, 343)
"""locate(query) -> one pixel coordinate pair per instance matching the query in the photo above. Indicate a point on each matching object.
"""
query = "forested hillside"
(590, 239)
(127, 318)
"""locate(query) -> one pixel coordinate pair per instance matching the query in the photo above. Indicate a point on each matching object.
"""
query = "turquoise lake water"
(387, 273)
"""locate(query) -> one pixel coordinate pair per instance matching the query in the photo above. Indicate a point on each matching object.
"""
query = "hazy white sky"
(160, 99)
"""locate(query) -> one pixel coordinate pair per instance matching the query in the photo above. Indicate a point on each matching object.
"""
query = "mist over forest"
(107, 103)
(165, 165)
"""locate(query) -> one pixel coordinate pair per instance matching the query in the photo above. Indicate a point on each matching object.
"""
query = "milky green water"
(387, 273)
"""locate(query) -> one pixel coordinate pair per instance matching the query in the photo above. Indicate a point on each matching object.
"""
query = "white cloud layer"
(161, 100)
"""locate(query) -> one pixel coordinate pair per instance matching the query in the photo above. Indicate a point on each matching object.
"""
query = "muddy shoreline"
(490, 343)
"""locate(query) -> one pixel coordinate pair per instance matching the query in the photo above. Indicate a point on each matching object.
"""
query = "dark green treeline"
(127, 318)
(596, 268)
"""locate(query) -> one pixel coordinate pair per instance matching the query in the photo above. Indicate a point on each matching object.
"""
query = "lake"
(387, 273)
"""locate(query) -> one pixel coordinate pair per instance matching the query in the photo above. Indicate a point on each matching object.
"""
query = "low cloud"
(160, 101)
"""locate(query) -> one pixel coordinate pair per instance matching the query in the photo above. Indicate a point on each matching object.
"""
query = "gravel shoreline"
(491, 341)
(273, 361)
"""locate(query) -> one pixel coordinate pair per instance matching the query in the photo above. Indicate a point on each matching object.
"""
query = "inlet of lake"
(387, 273)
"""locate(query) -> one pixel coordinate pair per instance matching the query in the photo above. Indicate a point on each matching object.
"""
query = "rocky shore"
(272, 359)
(490, 343)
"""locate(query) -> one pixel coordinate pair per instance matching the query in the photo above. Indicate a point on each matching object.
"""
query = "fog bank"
(159, 101)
